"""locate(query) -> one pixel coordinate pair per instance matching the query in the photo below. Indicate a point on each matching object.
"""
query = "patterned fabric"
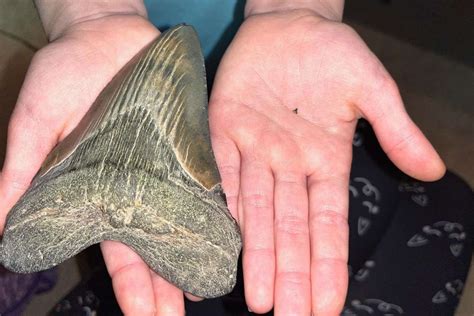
(411, 242)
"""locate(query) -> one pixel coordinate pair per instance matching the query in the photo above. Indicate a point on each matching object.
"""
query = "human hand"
(62, 82)
(283, 111)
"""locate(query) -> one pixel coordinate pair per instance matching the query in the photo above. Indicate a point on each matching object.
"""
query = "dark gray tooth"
(138, 169)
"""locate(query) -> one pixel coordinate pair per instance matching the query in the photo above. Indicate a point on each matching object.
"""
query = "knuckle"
(329, 217)
(27, 116)
(346, 29)
(16, 179)
(294, 277)
(229, 171)
(254, 251)
(388, 84)
(334, 262)
(382, 80)
(17, 185)
(290, 178)
(292, 225)
(405, 141)
(257, 200)
(115, 271)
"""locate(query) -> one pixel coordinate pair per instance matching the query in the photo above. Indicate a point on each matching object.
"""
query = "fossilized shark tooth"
(138, 169)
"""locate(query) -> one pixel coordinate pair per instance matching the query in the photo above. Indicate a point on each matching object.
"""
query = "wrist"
(58, 16)
(329, 9)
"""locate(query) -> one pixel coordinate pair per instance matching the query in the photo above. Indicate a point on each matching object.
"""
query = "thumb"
(400, 138)
(29, 142)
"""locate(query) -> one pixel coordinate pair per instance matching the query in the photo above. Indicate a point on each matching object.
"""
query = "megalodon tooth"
(138, 169)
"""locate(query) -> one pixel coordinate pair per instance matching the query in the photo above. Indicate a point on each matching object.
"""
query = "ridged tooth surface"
(138, 169)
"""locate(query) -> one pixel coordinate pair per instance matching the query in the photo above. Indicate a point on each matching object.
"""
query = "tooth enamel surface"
(138, 169)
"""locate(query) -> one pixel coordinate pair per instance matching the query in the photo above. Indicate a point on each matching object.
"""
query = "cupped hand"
(283, 110)
(62, 82)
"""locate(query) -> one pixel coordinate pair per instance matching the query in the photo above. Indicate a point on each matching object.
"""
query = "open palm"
(283, 110)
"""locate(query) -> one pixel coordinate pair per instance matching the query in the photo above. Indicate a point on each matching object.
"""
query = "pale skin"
(285, 174)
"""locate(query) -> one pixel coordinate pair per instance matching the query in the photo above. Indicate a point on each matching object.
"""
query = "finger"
(193, 298)
(258, 243)
(400, 138)
(328, 207)
(35, 127)
(228, 162)
(28, 145)
(131, 279)
(292, 284)
(169, 300)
